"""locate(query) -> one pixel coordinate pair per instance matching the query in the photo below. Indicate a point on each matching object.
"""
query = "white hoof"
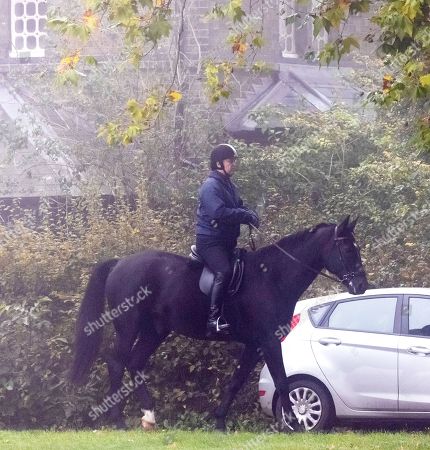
(148, 420)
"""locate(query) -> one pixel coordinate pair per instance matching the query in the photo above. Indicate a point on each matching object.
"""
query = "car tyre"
(311, 404)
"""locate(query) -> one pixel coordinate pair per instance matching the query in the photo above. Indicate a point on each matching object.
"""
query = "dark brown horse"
(153, 293)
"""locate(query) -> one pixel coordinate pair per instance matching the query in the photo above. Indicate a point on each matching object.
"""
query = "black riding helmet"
(221, 152)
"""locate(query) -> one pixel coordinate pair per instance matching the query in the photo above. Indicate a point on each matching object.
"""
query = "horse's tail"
(89, 326)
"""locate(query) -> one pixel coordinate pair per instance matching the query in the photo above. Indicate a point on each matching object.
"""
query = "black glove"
(253, 218)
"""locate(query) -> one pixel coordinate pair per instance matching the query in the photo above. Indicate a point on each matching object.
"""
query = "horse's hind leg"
(143, 349)
(248, 360)
(116, 362)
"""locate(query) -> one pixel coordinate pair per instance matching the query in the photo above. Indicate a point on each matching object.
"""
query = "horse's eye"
(350, 250)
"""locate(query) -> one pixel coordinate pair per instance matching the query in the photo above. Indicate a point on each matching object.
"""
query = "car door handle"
(330, 341)
(419, 350)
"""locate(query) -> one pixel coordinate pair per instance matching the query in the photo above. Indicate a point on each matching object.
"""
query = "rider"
(219, 215)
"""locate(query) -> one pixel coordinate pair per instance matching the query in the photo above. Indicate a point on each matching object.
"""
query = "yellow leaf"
(174, 96)
(425, 80)
(68, 62)
(90, 19)
(159, 3)
(151, 102)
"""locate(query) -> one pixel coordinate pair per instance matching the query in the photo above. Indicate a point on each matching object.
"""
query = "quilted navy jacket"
(220, 210)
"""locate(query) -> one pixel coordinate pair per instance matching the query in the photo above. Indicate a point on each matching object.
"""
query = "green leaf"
(93, 4)
(91, 60)
(335, 15)
(349, 42)
(318, 25)
(158, 29)
(148, 3)
(258, 41)
(57, 22)
(359, 6)
(408, 26)
(291, 19)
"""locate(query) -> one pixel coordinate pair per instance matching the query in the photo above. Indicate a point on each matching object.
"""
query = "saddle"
(207, 276)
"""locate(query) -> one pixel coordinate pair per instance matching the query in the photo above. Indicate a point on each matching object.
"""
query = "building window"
(321, 40)
(28, 21)
(287, 33)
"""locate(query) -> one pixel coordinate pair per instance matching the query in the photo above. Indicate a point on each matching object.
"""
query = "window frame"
(397, 314)
(37, 34)
(405, 315)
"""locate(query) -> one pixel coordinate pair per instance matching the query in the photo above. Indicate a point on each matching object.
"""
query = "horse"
(152, 293)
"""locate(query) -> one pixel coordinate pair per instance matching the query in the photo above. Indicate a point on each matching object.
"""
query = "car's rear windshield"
(316, 313)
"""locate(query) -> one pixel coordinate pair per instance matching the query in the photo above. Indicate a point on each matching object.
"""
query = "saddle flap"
(207, 276)
(206, 280)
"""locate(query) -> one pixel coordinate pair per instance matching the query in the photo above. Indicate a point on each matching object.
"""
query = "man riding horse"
(274, 278)
(219, 215)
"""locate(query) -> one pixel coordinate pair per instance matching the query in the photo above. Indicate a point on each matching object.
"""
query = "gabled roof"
(297, 87)
(29, 171)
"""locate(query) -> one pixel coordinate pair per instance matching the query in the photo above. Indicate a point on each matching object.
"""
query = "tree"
(403, 36)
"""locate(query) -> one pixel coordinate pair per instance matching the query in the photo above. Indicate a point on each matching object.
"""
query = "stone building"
(293, 83)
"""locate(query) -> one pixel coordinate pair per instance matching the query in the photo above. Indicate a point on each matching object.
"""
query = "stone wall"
(4, 30)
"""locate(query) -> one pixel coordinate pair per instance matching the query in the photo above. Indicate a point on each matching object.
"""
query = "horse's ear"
(352, 224)
(343, 225)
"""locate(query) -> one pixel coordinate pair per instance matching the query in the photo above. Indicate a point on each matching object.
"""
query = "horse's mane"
(296, 238)
(292, 240)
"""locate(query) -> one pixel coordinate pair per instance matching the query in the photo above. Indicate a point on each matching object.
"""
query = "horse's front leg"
(273, 356)
(248, 360)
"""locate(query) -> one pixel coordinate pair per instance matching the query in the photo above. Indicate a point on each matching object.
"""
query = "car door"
(414, 354)
(356, 349)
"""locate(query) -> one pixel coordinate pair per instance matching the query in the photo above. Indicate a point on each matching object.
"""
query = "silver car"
(356, 357)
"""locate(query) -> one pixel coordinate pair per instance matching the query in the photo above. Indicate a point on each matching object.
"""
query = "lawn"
(175, 439)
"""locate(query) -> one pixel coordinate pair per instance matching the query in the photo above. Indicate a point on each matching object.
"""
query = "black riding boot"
(216, 322)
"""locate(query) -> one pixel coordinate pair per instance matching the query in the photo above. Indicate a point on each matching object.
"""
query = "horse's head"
(343, 258)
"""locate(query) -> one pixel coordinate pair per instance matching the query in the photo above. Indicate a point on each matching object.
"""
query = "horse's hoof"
(120, 424)
(147, 426)
(220, 426)
(148, 421)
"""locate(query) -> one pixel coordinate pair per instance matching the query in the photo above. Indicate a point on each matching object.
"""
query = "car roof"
(309, 302)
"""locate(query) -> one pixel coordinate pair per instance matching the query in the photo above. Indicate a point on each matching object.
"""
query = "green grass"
(173, 439)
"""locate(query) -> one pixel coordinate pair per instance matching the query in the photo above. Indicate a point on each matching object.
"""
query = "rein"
(337, 280)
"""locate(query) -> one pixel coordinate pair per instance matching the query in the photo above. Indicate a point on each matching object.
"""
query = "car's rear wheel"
(311, 405)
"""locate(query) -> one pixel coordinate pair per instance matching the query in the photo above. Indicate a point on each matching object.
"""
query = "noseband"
(349, 275)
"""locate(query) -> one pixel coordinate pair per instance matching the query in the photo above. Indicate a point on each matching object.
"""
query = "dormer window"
(28, 21)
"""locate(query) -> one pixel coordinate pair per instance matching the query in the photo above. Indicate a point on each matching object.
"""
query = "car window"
(316, 313)
(419, 316)
(369, 314)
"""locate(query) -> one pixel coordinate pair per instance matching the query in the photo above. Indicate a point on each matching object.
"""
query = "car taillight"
(294, 321)
(261, 393)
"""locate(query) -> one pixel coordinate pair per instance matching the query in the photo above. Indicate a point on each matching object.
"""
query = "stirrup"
(221, 326)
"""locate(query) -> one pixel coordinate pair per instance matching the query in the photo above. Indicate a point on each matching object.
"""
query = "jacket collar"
(219, 176)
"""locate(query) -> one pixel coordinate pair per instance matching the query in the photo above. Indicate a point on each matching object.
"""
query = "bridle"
(349, 275)
(347, 278)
